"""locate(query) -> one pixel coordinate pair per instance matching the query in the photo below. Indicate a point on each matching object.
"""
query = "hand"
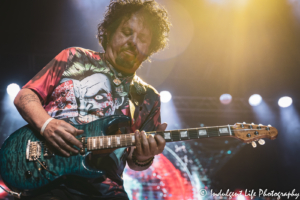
(147, 147)
(60, 135)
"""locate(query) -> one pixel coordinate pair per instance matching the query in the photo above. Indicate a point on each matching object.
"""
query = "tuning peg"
(254, 145)
(260, 125)
(261, 141)
(252, 123)
(244, 122)
(269, 125)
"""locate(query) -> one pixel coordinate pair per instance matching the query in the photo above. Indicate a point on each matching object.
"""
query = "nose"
(132, 42)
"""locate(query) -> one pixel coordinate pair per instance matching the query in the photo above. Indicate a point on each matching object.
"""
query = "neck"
(125, 140)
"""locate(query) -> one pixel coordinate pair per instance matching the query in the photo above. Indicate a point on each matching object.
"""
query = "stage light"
(255, 100)
(165, 96)
(3, 194)
(285, 102)
(13, 89)
(225, 99)
(241, 197)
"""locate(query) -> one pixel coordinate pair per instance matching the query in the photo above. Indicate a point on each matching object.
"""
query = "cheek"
(117, 42)
(144, 50)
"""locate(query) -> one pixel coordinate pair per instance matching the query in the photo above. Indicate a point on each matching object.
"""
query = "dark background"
(215, 48)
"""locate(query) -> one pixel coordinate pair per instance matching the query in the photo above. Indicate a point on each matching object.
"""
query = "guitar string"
(123, 138)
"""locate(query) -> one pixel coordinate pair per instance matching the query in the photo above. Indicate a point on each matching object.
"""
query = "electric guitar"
(28, 165)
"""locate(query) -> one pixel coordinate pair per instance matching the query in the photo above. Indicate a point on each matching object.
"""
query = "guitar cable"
(15, 194)
(54, 174)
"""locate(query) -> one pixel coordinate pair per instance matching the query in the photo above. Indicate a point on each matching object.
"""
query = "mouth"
(131, 53)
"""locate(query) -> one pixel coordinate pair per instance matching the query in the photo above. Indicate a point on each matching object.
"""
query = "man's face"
(128, 47)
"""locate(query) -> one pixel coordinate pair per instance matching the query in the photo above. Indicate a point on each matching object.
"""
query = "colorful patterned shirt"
(77, 86)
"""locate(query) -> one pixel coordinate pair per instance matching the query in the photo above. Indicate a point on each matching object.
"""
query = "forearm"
(134, 166)
(30, 107)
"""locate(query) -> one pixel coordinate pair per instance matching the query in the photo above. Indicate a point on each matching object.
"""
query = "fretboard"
(126, 140)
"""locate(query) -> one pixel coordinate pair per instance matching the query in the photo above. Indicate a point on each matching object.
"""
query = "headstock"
(250, 133)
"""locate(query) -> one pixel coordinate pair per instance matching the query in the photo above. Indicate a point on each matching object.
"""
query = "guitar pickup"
(48, 152)
(33, 150)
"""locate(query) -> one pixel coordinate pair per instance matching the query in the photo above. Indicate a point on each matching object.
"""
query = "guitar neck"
(127, 140)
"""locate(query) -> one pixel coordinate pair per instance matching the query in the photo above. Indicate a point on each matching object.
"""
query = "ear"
(108, 36)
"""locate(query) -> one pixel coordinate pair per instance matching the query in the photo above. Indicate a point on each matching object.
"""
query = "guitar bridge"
(33, 150)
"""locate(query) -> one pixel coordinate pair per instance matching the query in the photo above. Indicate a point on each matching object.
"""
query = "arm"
(30, 107)
(148, 147)
(58, 133)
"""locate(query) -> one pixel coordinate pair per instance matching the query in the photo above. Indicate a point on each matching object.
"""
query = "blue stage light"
(13, 89)
(285, 102)
(255, 100)
(165, 96)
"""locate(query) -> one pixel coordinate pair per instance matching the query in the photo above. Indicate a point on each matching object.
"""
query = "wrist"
(142, 163)
(142, 159)
(45, 125)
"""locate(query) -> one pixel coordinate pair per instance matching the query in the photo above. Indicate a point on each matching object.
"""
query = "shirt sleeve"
(44, 82)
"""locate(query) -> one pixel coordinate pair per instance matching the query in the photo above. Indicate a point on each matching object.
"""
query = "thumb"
(162, 127)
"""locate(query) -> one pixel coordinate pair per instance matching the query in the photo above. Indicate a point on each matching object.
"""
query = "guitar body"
(14, 166)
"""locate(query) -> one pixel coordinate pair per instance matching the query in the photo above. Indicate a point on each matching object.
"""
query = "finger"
(70, 139)
(71, 129)
(161, 142)
(138, 144)
(152, 145)
(145, 144)
(162, 127)
(63, 145)
(58, 148)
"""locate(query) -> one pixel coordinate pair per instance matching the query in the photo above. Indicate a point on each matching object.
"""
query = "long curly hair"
(154, 14)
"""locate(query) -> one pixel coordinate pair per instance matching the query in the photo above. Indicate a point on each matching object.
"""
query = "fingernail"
(143, 132)
(137, 132)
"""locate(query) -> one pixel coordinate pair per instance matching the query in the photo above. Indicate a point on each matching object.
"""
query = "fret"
(105, 142)
(123, 140)
(193, 133)
(160, 133)
(113, 140)
(128, 139)
(176, 135)
(213, 132)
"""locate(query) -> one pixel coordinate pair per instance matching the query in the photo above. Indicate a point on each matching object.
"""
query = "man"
(79, 86)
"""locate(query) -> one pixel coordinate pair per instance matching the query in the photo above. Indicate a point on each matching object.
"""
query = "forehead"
(136, 22)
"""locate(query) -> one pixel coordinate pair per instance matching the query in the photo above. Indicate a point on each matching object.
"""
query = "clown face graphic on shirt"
(83, 101)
